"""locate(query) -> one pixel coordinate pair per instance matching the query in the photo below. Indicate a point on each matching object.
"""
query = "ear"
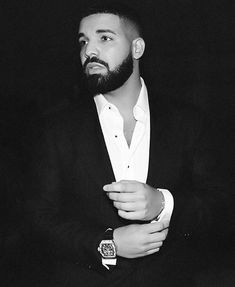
(138, 46)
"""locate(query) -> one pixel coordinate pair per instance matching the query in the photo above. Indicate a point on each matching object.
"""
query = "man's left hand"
(135, 200)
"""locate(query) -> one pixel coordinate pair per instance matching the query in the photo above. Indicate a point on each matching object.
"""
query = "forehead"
(101, 21)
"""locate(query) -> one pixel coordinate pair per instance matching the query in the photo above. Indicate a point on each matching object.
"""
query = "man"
(109, 171)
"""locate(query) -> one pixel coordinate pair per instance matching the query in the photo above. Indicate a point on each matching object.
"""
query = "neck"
(125, 97)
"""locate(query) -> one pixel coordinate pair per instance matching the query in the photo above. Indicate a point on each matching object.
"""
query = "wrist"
(115, 238)
(107, 249)
(160, 200)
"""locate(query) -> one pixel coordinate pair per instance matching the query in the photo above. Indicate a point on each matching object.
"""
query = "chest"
(87, 165)
(128, 130)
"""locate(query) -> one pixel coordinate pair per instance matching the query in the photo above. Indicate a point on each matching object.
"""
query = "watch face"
(107, 249)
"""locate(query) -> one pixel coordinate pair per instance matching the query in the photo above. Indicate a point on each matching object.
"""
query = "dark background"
(190, 54)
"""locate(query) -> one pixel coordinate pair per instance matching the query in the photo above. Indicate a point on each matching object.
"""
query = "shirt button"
(128, 166)
(116, 136)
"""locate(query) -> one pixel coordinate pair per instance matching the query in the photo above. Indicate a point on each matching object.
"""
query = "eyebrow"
(99, 31)
(80, 35)
(105, 31)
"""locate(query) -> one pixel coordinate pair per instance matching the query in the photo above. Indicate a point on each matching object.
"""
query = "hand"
(135, 200)
(138, 240)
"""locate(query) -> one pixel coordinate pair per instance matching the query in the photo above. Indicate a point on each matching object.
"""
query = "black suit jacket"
(68, 210)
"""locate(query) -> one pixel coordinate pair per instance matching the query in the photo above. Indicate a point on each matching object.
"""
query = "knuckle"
(145, 238)
(141, 198)
(142, 214)
(166, 224)
(144, 205)
(160, 243)
(115, 204)
(161, 225)
(144, 249)
(145, 216)
(163, 236)
(120, 186)
(142, 185)
(120, 213)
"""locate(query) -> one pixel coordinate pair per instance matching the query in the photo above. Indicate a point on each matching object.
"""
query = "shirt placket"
(116, 133)
(122, 145)
(129, 170)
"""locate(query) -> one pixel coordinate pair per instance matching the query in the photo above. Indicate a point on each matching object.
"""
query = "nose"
(91, 49)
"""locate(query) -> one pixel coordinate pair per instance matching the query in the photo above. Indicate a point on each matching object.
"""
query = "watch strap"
(109, 263)
(108, 234)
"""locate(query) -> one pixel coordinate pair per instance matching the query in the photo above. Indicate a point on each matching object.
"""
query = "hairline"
(129, 19)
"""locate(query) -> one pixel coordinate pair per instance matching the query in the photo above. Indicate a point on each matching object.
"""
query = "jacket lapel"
(93, 150)
(159, 155)
(94, 153)
(165, 159)
(155, 145)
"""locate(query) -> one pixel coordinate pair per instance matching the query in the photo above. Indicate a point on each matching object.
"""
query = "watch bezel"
(111, 243)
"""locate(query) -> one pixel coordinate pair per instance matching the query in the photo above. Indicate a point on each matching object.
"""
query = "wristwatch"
(107, 250)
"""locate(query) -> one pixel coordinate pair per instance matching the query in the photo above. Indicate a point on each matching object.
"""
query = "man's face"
(105, 52)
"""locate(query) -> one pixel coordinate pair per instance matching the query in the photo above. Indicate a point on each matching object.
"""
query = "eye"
(82, 42)
(106, 38)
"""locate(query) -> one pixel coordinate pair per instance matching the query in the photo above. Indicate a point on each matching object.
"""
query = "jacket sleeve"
(201, 206)
(51, 210)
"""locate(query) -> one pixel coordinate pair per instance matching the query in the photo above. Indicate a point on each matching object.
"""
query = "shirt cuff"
(168, 206)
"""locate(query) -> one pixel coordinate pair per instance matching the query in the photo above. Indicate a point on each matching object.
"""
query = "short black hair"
(119, 9)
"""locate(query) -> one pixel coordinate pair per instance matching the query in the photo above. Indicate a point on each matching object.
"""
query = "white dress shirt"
(130, 162)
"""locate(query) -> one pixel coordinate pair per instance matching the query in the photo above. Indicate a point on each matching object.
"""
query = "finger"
(121, 186)
(147, 251)
(157, 237)
(152, 251)
(129, 181)
(165, 231)
(122, 197)
(154, 245)
(154, 227)
(130, 215)
(166, 223)
(127, 206)
(157, 226)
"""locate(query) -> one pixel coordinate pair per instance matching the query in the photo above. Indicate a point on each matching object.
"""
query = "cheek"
(117, 59)
(82, 57)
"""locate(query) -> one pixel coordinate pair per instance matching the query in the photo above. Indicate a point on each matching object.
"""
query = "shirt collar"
(140, 110)
(101, 103)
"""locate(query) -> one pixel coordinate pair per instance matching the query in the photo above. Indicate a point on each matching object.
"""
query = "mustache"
(94, 60)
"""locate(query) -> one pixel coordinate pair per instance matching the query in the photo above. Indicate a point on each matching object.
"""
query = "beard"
(112, 80)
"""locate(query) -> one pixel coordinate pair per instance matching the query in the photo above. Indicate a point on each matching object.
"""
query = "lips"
(94, 66)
